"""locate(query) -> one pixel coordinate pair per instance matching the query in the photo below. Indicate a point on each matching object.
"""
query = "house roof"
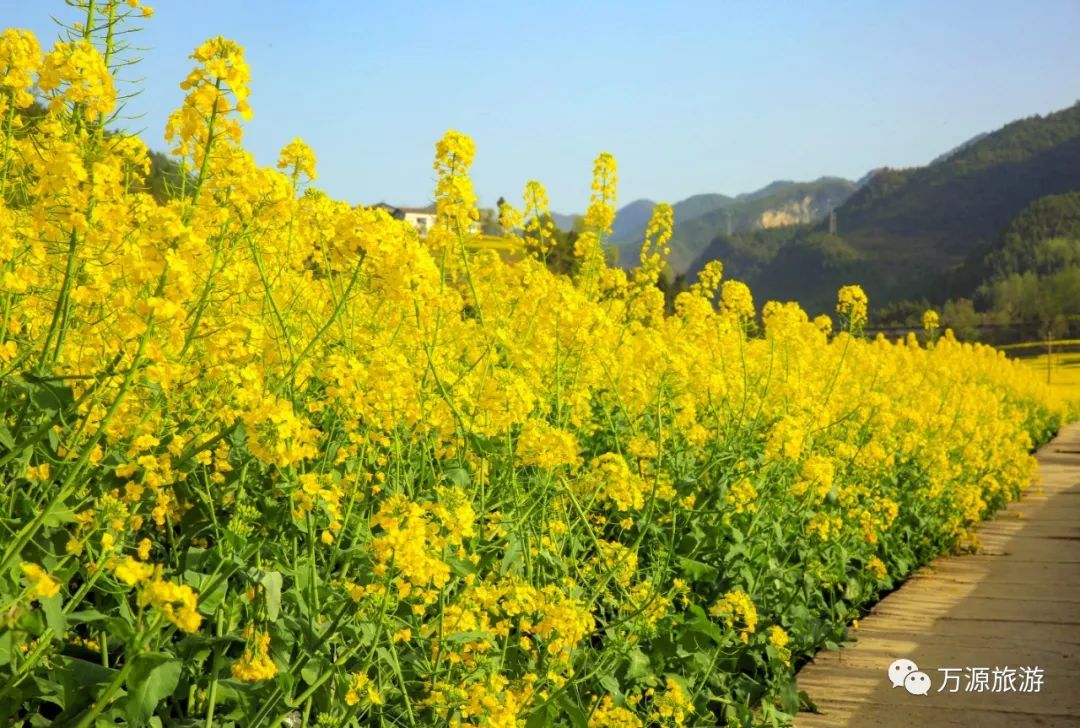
(396, 211)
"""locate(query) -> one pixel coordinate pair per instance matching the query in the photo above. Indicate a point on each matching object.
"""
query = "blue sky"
(720, 96)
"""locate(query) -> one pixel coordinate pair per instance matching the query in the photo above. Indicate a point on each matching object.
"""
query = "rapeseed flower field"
(268, 458)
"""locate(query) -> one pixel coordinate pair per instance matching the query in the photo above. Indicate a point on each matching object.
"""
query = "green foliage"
(672, 285)
(165, 179)
(1044, 237)
(560, 258)
(960, 316)
(905, 313)
(1040, 300)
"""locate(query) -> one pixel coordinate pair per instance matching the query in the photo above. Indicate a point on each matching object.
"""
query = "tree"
(960, 316)
(489, 222)
(672, 287)
(560, 257)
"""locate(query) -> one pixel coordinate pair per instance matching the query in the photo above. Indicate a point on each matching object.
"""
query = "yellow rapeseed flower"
(41, 584)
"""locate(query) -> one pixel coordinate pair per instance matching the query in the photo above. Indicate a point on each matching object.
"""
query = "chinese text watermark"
(1022, 679)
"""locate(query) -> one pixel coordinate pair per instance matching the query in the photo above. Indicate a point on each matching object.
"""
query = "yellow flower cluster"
(709, 279)
(298, 159)
(20, 59)
(41, 584)
(736, 299)
(672, 707)
(877, 567)
(255, 664)
(741, 495)
(655, 248)
(177, 602)
(599, 217)
(609, 479)
(132, 572)
(930, 321)
(852, 305)
(216, 87)
(609, 715)
(737, 609)
(411, 537)
(779, 640)
(545, 446)
(538, 223)
(362, 691)
(75, 73)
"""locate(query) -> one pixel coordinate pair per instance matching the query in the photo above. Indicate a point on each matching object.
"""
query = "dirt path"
(1014, 605)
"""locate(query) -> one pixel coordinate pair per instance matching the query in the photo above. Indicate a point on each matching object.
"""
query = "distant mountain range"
(701, 218)
(907, 233)
(901, 233)
(959, 148)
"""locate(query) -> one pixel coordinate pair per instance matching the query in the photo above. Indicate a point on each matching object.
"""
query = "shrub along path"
(1015, 604)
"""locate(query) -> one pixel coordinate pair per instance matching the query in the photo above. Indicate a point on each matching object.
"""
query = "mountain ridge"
(905, 232)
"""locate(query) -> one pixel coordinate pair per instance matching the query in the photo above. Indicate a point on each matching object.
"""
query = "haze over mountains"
(901, 233)
(700, 218)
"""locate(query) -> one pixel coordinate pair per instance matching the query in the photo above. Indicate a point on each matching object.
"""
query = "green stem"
(211, 698)
(105, 698)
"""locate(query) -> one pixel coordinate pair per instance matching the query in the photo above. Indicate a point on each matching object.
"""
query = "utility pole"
(1049, 352)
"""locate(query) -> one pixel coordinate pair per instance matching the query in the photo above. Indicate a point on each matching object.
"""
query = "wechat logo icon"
(906, 674)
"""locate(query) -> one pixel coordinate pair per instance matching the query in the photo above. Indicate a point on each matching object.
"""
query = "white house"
(422, 218)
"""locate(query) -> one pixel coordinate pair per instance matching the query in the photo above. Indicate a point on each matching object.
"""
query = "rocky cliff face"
(794, 212)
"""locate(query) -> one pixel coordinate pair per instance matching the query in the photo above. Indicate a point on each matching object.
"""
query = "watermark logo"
(906, 674)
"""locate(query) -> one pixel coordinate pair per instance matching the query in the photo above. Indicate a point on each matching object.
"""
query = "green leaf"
(82, 681)
(84, 616)
(51, 397)
(238, 437)
(33, 621)
(209, 600)
(461, 567)
(639, 665)
(119, 628)
(807, 703)
(5, 647)
(572, 711)
(47, 690)
(315, 667)
(54, 614)
(271, 582)
(706, 627)
(511, 557)
(541, 718)
(459, 477)
(304, 577)
(697, 570)
(465, 637)
(58, 517)
(789, 697)
(154, 676)
(611, 684)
